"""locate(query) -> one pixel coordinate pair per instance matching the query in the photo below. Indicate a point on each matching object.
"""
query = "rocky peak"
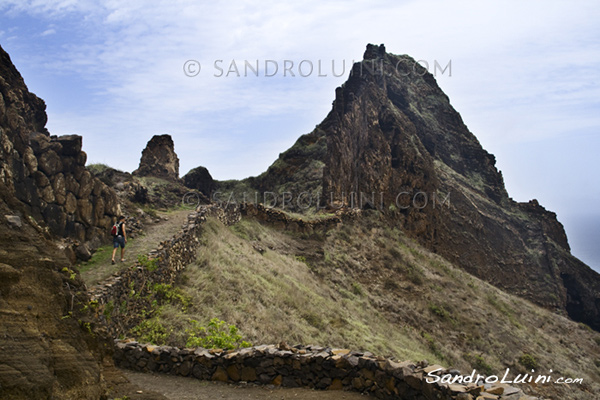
(159, 159)
(394, 142)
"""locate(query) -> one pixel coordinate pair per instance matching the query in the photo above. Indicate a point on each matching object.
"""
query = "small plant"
(151, 331)
(72, 274)
(528, 361)
(357, 289)
(87, 326)
(478, 362)
(108, 309)
(151, 264)
(440, 311)
(218, 335)
(169, 294)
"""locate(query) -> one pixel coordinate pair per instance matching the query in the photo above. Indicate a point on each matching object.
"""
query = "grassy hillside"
(366, 286)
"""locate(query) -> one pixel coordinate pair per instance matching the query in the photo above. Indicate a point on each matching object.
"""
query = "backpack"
(115, 229)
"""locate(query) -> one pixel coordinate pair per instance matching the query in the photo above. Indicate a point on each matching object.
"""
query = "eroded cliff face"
(393, 131)
(45, 193)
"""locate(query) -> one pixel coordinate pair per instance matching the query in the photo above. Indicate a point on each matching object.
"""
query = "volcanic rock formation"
(200, 179)
(394, 142)
(159, 159)
(45, 191)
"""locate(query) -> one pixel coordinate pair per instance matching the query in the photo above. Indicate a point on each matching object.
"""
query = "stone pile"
(308, 366)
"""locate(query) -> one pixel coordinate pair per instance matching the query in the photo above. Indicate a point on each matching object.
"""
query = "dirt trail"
(101, 267)
(180, 388)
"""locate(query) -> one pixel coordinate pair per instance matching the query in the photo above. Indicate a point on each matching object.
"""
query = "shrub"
(528, 361)
(440, 311)
(478, 362)
(150, 264)
(218, 335)
(151, 331)
(169, 294)
(357, 289)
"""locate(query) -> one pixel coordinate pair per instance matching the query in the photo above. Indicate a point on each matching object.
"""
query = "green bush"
(528, 361)
(478, 362)
(440, 311)
(167, 293)
(218, 335)
(150, 264)
(151, 331)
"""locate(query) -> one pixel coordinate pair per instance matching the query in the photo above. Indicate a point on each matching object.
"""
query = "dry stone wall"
(281, 220)
(121, 300)
(310, 367)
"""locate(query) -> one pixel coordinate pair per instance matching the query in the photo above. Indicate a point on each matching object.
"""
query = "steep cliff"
(394, 142)
(48, 348)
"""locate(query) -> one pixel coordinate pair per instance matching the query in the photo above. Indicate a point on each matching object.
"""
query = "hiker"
(119, 238)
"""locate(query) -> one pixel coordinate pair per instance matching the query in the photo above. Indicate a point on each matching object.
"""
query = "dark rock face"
(47, 173)
(394, 142)
(45, 192)
(159, 159)
(392, 131)
(200, 179)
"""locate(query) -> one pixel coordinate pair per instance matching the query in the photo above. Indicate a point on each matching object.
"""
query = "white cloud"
(48, 32)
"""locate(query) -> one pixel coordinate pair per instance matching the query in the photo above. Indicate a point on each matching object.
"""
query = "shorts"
(118, 241)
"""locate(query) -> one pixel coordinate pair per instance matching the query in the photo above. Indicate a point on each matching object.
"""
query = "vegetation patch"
(217, 335)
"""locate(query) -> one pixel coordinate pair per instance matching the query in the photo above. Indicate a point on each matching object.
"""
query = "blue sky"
(525, 78)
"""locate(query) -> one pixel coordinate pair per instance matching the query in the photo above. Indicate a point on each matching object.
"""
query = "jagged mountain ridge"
(392, 130)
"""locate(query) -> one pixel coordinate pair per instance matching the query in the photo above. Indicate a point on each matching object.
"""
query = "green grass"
(102, 255)
(366, 286)
(275, 297)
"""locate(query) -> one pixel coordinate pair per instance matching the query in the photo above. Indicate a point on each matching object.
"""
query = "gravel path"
(180, 388)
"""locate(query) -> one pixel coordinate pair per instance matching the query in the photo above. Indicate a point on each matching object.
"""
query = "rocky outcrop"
(48, 347)
(71, 201)
(200, 179)
(394, 142)
(47, 174)
(393, 132)
(159, 159)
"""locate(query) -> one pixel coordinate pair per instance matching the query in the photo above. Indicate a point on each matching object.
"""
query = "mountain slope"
(367, 286)
(395, 143)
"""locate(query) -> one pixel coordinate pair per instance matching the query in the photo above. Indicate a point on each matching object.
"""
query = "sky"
(525, 77)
